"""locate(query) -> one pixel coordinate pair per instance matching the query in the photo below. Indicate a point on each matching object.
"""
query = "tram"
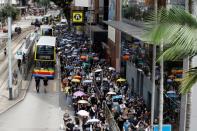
(45, 57)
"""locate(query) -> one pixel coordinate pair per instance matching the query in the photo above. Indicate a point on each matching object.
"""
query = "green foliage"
(9, 11)
(176, 29)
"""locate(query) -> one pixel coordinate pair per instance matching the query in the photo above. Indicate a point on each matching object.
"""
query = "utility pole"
(184, 122)
(10, 54)
(161, 100)
(153, 75)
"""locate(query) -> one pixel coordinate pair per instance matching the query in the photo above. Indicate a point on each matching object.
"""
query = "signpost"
(78, 17)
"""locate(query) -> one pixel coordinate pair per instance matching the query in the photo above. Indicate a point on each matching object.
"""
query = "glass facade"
(136, 9)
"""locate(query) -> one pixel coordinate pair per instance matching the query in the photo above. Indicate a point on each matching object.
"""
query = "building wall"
(141, 85)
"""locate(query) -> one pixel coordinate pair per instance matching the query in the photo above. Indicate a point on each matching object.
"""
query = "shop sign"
(78, 17)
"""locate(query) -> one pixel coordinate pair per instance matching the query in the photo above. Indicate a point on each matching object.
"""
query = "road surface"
(39, 111)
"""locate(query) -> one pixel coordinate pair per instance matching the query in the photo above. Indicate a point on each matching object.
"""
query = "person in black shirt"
(69, 126)
(45, 81)
(37, 80)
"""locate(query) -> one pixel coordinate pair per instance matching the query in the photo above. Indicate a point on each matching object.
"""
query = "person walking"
(37, 84)
(5, 52)
(45, 81)
(19, 64)
(66, 91)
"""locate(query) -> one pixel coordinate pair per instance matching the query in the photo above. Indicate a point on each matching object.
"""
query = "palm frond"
(189, 80)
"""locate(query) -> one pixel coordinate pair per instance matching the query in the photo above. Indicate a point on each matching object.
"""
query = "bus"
(45, 57)
(46, 30)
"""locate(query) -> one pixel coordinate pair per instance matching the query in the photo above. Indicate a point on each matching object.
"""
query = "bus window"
(47, 32)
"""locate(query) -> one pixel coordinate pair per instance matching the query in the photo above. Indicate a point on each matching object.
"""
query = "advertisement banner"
(83, 3)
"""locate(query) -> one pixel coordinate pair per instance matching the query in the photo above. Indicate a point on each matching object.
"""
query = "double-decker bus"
(45, 57)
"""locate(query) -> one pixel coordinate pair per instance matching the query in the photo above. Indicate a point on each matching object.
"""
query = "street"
(38, 112)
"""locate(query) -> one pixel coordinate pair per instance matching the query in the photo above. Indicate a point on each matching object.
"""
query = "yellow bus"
(45, 57)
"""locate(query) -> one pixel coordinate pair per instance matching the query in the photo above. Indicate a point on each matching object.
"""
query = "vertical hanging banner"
(78, 17)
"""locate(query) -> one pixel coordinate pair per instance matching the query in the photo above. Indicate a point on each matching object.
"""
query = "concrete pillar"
(193, 114)
(118, 36)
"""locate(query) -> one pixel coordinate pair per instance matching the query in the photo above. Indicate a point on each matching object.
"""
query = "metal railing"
(108, 115)
(110, 118)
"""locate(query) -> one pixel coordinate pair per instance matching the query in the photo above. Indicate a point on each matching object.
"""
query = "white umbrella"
(91, 121)
(83, 113)
(111, 93)
(98, 70)
(112, 68)
(68, 45)
(83, 102)
(87, 81)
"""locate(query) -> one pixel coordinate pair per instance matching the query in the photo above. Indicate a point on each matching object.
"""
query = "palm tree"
(178, 28)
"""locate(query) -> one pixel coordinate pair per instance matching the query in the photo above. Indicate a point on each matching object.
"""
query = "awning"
(131, 30)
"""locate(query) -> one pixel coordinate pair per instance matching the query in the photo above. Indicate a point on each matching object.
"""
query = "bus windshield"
(47, 32)
(45, 52)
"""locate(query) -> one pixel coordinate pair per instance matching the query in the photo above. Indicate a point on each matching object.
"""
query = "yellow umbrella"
(178, 79)
(77, 77)
(75, 80)
(121, 80)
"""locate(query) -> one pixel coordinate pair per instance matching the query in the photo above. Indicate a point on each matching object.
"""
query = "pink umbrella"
(79, 93)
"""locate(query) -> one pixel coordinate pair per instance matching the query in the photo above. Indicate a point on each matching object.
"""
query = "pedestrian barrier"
(110, 118)
(108, 115)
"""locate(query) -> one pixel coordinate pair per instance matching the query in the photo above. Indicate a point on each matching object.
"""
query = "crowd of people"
(94, 85)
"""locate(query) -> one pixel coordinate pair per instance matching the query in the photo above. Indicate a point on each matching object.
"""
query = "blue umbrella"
(69, 67)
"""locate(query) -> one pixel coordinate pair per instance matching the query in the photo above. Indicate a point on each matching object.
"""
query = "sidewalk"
(5, 103)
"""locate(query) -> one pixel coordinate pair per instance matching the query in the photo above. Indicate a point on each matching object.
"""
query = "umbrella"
(69, 67)
(95, 58)
(77, 77)
(171, 94)
(98, 70)
(121, 80)
(83, 102)
(111, 68)
(93, 121)
(83, 113)
(178, 79)
(68, 45)
(117, 97)
(87, 81)
(75, 80)
(79, 93)
(111, 93)
(83, 57)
